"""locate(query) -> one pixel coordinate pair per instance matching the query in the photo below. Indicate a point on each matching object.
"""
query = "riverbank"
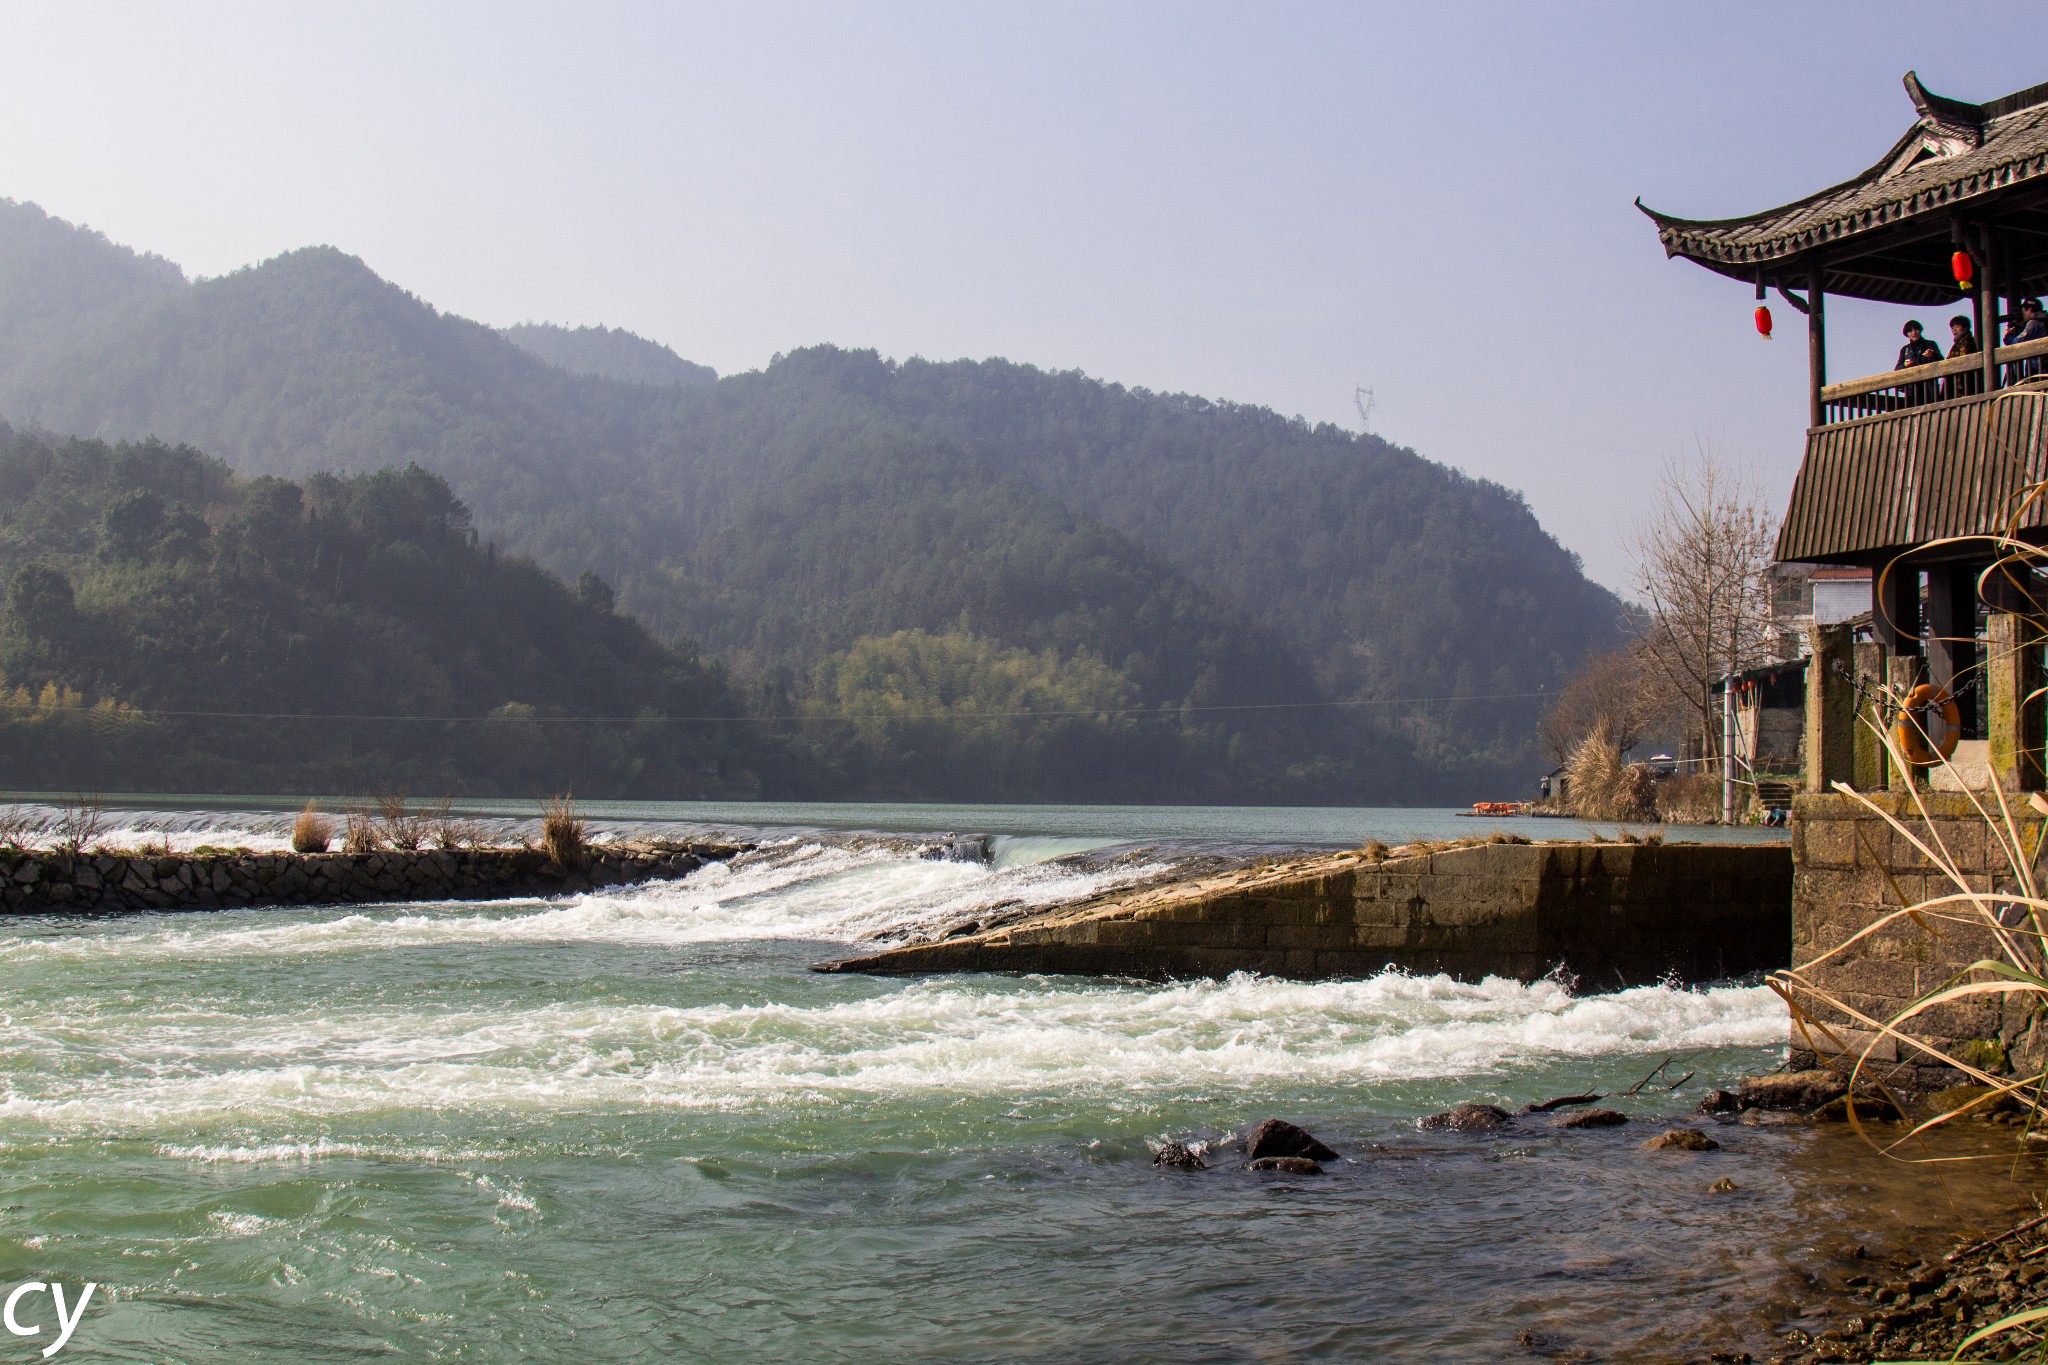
(1923, 1299)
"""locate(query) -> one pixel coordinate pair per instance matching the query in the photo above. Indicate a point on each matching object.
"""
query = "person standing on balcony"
(1917, 351)
(2028, 326)
(1963, 342)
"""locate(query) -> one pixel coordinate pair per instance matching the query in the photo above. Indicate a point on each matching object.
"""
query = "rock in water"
(1277, 1137)
(1593, 1118)
(1467, 1118)
(1291, 1165)
(1985, 1100)
(1795, 1090)
(1180, 1157)
(1868, 1107)
(1682, 1140)
(1720, 1102)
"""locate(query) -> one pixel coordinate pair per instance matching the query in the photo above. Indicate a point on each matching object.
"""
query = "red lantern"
(1965, 269)
(1763, 321)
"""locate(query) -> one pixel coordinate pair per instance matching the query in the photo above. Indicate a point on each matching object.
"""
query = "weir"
(98, 882)
(1613, 914)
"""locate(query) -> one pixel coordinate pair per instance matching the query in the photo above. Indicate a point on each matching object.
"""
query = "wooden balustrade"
(1944, 381)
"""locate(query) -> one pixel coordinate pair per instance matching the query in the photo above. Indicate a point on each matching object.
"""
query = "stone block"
(1335, 936)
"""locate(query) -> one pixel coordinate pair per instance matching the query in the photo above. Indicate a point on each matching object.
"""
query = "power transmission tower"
(1361, 398)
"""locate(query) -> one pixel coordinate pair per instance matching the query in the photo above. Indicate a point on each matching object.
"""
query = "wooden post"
(2012, 674)
(1895, 615)
(1869, 759)
(1951, 626)
(1830, 708)
(1816, 341)
(1902, 675)
(1987, 309)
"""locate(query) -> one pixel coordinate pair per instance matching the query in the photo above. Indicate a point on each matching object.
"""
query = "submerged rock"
(1793, 1090)
(1593, 1118)
(1290, 1165)
(1681, 1140)
(1467, 1118)
(1868, 1107)
(1985, 1100)
(1279, 1138)
(1180, 1157)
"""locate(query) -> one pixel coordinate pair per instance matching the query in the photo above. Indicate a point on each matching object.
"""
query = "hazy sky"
(1269, 203)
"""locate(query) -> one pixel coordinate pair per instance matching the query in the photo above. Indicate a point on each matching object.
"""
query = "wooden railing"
(1940, 382)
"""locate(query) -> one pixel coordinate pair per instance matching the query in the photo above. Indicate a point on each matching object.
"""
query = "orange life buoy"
(1929, 725)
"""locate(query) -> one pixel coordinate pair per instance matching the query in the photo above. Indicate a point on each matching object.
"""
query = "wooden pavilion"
(1896, 463)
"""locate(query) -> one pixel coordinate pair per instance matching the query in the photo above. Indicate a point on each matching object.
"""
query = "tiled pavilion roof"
(1886, 234)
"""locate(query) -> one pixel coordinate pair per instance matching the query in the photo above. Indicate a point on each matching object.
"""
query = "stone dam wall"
(1851, 870)
(1613, 914)
(98, 883)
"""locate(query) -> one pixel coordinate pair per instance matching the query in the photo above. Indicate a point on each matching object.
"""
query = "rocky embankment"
(96, 882)
(1919, 1307)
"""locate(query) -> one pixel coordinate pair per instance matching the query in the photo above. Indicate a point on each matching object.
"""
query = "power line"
(843, 717)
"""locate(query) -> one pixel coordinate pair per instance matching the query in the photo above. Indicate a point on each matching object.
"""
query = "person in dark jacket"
(1963, 342)
(1917, 351)
(2028, 326)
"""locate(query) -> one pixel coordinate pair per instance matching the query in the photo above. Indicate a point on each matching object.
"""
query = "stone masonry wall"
(1615, 914)
(1850, 870)
(92, 882)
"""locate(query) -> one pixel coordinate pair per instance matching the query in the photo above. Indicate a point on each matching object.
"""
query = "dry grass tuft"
(361, 833)
(1377, 850)
(1501, 836)
(312, 832)
(562, 832)
(403, 826)
(452, 833)
(1602, 787)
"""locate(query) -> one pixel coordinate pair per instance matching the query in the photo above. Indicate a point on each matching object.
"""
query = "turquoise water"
(632, 1126)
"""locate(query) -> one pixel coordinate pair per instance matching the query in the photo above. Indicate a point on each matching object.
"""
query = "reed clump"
(452, 833)
(1602, 787)
(361, 832)
(404, 827)
(562, 832)
(312, 832)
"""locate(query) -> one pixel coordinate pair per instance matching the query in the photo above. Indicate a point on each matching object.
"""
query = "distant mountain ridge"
(1214, 555)
(609, 354)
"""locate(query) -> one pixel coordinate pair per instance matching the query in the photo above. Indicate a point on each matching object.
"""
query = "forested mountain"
(836, 509)
(608, 354)
(161, 613)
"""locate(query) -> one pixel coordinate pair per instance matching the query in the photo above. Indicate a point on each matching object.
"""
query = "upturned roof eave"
(1667, 222)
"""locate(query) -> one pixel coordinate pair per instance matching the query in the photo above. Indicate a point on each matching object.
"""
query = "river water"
(633, 1126)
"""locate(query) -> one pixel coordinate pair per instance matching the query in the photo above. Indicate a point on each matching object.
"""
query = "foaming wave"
(799, 890)
(955, 1036)
(301, 1153)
